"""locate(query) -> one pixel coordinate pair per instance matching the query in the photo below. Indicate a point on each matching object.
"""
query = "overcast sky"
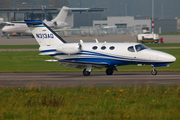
(162, 8)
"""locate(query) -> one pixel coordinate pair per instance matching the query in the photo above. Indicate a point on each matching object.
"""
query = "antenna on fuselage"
(81, 41)
(96, 41)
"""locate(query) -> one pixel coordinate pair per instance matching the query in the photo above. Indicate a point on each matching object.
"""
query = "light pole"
(126, 9)
(121, 9)
(162, 10)
(152, 16)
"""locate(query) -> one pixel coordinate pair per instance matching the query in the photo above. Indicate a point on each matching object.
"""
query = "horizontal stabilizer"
(47, 53)
(52, 60)
(33, 22)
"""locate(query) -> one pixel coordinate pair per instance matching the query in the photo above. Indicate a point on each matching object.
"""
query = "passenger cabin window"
(94, 47)
(103, 48)
(140, 47)
(131, 49)
(111, 48)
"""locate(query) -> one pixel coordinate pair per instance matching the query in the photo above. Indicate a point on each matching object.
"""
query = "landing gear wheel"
(86, 73)
(109, 71)
(154, 72)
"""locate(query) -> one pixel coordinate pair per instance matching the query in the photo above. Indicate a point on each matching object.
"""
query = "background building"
(123, 22)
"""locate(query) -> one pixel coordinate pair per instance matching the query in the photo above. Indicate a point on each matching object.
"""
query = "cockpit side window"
(140, 47)
(9, 24)
(131, 49)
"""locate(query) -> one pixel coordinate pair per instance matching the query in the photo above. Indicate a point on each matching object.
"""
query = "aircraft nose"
(169, 58)
(172, 58)
(4, 29)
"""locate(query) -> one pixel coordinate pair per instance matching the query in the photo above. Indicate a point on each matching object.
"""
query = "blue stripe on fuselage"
(101, 58)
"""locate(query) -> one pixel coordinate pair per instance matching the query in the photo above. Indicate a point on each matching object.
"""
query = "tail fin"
(43, 34)
(61, 15)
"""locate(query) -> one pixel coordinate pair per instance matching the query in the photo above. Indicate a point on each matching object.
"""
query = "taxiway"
(95, 79)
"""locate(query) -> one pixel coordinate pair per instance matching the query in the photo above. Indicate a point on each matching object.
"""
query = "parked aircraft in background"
(19, 27)
(98, 55)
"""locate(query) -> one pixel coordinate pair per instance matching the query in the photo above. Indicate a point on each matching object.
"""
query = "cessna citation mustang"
(98, 55)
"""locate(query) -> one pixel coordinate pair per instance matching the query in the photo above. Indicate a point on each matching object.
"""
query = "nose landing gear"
(154, 72)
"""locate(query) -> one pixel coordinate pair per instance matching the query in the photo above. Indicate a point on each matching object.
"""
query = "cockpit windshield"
(140, 47)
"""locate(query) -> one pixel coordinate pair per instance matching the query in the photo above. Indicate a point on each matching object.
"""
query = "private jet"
(95, 55)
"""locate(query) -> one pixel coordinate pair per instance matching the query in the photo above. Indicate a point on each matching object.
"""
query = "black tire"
(109, 71)
(154, 72)
(86, 73)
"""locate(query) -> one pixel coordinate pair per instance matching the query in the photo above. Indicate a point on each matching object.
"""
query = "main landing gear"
(109, 70)
(87, 71)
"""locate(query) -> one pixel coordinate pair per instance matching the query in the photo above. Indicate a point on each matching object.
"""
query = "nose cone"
(5, 29)
(166, 57)
(170, 58)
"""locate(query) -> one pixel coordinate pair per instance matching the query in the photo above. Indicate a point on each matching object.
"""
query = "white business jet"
(98, 55)
(19, 27)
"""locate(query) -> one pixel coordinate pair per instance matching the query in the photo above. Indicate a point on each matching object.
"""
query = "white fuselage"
(110, 53)
(23, 28)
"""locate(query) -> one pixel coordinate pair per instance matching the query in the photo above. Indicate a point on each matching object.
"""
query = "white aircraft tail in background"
(61, 15)
(56, 23)
(98, 55)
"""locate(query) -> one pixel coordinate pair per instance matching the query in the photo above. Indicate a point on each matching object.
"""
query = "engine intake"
(70, 48)
(59, 24)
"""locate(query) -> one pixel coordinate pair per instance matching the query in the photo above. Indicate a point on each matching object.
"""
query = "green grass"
(31, 61)
(91, 103)
(177, 33)
(162, 45)
(19, 46)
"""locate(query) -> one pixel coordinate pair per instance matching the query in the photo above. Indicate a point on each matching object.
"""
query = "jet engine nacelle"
(60, 24)
(69, 48)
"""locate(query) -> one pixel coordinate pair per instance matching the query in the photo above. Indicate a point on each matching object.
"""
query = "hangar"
(160, 25)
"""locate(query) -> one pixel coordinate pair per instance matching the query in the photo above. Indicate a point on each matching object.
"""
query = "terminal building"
(123, 22)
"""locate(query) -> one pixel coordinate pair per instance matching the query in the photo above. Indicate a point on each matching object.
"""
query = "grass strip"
(19, 46)
(176, 33)
(91, 103)
(162, 44)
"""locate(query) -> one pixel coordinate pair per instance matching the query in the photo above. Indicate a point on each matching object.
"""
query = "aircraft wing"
(82, 65)
(73, 29)
(85, 9)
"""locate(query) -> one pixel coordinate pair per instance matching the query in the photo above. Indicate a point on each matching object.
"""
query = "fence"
(91, 31)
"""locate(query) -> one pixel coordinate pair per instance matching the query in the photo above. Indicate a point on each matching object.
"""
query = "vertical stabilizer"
(61, 15)
(44, 35)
